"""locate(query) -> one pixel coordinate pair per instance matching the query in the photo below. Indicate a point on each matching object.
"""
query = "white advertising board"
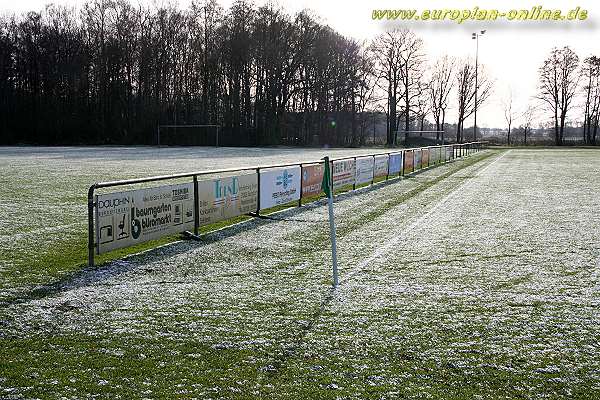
(127, 218)
(364, 170)
(381, 166)
(395, 163)
(434, 155)
(417, 159)
(279, 186)
(343, 173)
(227, 197)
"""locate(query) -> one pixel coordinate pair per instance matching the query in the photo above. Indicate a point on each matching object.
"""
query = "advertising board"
(227, 197)
(425, 157)
(279, 186)
(343, 172)
(395, 163)
(381, 166)
(364, 170)
(417, 159)
(312, 178)
(434, 155)
(127, 218)
(409, 161)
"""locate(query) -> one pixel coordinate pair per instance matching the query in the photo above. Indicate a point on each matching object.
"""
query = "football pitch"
(474, 279)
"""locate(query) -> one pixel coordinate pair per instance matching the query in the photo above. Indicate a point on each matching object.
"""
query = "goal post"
(400, 136)
(161, 129)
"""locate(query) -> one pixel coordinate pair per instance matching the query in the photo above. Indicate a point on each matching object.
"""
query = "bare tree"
(558, 85)
(465, 79)
(399, 59)
(365, 90)
(508, 114)
(594, 116)
(528, 116)
(591, 74)
(387, 65)
(440, 86)
(413, 60)
(422, 106)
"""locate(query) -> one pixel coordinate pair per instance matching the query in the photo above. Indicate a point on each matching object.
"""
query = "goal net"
(188, 135)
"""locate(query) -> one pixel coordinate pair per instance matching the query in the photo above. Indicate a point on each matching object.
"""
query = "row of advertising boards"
(127, 218)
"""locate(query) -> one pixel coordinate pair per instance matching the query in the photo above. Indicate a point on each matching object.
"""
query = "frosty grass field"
(475, 279)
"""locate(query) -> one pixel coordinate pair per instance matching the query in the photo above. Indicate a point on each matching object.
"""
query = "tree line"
(565, 85)
(111, 72)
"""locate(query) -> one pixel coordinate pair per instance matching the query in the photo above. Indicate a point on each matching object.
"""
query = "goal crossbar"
(415, 132)
(188, 126)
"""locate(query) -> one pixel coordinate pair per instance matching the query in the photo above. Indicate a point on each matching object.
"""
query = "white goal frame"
(158, 128)
(403, 133)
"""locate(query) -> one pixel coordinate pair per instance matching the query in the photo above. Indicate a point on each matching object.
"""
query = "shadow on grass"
(110, 269)
(277, 365)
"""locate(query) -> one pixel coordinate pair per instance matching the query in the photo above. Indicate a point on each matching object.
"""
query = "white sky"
(512, 51)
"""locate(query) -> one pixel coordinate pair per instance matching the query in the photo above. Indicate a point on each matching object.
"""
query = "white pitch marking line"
(384, 249)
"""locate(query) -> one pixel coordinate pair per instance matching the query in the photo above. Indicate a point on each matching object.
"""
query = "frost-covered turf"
(469, 280)
(43, 192)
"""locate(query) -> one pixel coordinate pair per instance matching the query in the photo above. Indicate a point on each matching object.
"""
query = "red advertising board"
(312, 178)
(408, 161)
(425, 158)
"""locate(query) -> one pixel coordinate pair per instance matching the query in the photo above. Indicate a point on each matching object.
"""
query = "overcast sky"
(511, 51)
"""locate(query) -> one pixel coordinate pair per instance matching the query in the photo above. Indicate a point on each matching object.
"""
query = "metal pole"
(196, 206)
(333, 244)
(332, 226)
(301, 180)
(401, 173)
(354, 183)
(476, 87)
(258, 193)
(91, 226)
(373, 172)
(158, 135)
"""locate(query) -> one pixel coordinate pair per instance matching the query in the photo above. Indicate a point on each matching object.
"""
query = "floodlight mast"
(475, 36)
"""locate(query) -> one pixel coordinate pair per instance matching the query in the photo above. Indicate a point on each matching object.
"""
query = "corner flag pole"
(327, 188)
